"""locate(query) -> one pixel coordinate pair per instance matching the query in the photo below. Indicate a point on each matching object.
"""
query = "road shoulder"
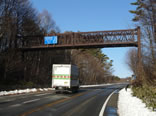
(111, 107)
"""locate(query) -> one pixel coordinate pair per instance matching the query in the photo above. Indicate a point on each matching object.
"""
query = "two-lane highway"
(87, 102)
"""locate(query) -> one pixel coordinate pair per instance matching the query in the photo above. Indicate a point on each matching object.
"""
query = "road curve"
(87, 102)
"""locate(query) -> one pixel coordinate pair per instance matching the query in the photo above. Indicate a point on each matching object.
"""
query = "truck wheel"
(74, 89)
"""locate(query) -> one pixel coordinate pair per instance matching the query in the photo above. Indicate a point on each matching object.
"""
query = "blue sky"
(93, 15)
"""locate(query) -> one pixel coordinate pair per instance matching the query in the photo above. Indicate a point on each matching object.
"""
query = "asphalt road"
(87, 102)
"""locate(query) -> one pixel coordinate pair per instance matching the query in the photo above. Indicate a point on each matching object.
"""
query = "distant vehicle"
(65, 77)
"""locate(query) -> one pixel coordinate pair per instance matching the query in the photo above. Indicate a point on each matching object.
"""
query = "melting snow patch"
(129, 105)
(45, 89)
(33, 90)
(41, 89)
(2, 93)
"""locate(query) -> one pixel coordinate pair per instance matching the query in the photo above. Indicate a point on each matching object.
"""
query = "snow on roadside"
(14, 92)
(129, 105)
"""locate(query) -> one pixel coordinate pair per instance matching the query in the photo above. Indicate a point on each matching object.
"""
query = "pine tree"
(145, 16)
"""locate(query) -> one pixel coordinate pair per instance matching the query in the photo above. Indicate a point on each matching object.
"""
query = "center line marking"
(15, 105)
(42, 94)
(51, 104)
(30, 101)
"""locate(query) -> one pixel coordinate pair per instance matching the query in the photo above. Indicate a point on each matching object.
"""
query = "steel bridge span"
(95, 39)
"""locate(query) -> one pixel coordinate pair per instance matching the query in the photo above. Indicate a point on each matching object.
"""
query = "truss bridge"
(95, 39)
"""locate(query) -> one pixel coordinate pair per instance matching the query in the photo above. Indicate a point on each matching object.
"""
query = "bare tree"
(47, 24)
(17, 20)
(145, 15)
(132, 60)
(94, 66)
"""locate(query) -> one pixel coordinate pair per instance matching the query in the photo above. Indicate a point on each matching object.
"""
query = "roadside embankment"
(129, 105)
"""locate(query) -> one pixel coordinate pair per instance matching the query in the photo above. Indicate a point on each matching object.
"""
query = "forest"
(22, 25)
(144, 86)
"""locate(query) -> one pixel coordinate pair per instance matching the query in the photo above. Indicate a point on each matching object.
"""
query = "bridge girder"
(95, 39)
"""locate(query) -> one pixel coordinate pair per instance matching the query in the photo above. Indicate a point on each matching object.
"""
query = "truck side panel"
(74, 76)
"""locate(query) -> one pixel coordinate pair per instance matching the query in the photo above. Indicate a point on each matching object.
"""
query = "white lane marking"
(30, 101)
(15, 105)
(9, 100)
(42, 94)
(105, 103)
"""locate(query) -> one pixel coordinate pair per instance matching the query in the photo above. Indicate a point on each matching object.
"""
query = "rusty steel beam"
(77, 46)
(95, 39)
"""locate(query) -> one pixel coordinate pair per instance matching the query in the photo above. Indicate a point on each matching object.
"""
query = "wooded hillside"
(20, 25)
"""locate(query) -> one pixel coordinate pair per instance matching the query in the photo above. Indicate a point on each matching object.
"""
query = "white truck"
(65, 77)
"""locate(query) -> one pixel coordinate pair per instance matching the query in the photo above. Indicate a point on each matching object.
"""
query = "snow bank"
(2, 93)
(129, 105)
